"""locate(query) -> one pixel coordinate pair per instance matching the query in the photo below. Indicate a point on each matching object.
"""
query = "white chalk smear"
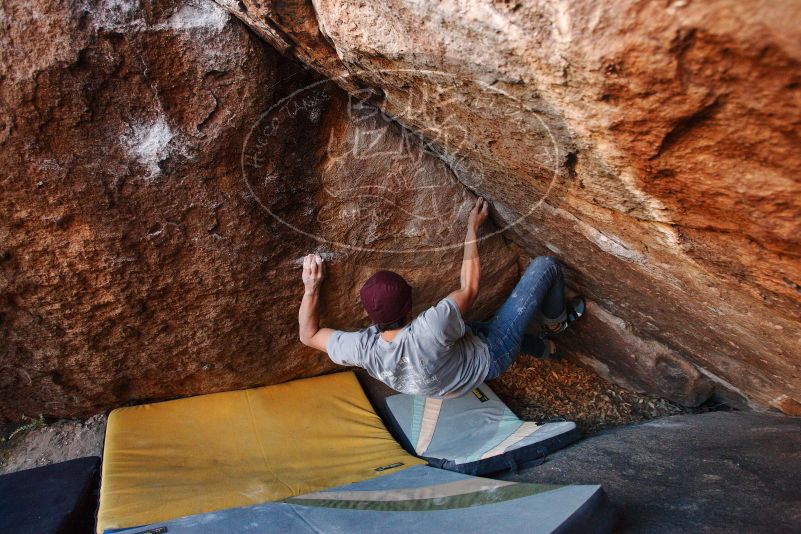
(327, 256)
(126, 15)
(204, 15)
(149, 144)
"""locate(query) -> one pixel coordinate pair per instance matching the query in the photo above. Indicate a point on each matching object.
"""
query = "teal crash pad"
(420, 499)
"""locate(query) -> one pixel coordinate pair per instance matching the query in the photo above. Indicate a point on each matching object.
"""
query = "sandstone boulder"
(150, 224)
(651, 146)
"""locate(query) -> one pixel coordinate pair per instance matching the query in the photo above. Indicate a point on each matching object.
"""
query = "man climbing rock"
(436, 353)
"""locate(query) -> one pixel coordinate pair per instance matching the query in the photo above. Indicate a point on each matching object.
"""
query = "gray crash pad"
(715, 472)
(474, 434)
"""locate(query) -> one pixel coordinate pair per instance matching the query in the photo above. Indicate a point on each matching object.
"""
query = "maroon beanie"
(386, 297)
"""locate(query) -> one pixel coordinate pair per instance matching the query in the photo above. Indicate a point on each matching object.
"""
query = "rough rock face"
(651, 146)
(145, 240)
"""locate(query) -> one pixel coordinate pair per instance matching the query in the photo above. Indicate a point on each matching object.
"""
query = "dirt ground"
(41, 442)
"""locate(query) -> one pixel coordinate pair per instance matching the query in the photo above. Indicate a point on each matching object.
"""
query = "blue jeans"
(541, 290)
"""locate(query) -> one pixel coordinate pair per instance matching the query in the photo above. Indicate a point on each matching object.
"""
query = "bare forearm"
(471, 265)
(470, 275)
(309, 329)
(309, 316)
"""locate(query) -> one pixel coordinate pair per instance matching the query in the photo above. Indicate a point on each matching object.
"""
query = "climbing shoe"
(575, 309)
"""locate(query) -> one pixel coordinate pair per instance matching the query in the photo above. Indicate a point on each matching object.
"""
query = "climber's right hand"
(478, 214)
(313, 272)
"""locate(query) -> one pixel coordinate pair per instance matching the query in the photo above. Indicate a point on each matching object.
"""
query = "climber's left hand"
(313, 272)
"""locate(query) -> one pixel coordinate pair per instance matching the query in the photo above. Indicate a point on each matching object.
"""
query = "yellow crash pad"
(207, 453)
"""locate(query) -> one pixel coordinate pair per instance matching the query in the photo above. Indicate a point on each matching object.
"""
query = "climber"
(437, 354)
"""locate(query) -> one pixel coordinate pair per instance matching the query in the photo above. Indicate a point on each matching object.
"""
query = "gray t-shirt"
(435, 355)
